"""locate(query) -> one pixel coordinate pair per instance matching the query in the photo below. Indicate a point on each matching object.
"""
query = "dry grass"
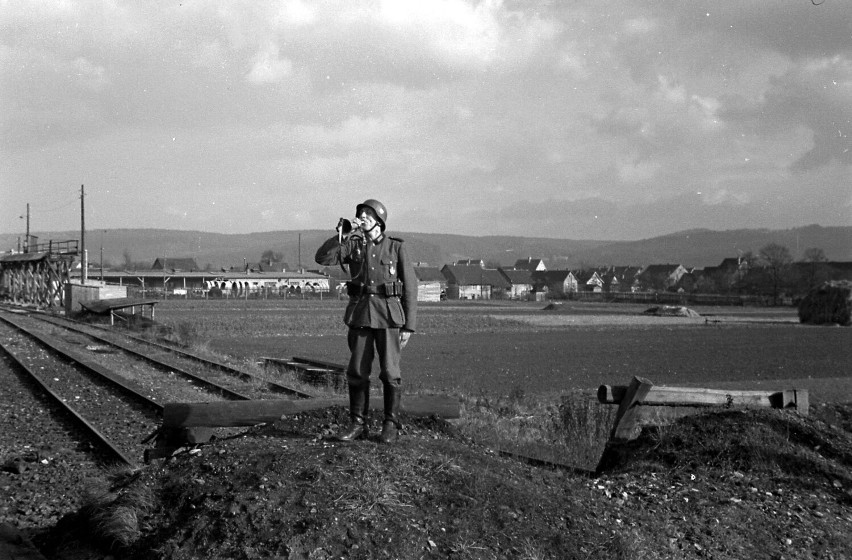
(112, 514)
(571, 431)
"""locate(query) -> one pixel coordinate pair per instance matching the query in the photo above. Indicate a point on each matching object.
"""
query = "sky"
(609, 120)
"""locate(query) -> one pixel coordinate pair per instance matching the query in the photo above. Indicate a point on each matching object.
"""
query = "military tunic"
(382, 299)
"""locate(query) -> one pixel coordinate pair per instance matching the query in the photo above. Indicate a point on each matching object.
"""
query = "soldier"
(381, 313)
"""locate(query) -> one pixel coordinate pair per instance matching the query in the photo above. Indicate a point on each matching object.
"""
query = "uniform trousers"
(364, 343)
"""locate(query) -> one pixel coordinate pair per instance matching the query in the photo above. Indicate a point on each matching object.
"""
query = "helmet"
(377, 207)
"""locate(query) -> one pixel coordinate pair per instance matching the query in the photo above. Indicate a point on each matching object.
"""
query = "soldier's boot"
(358, 402)
(391, 424)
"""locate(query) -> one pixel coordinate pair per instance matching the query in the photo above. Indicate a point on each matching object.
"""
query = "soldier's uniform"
(382, 300)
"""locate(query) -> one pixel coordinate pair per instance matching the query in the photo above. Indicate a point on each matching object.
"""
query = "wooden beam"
(625, 428)
(250, 413)
(695, 396)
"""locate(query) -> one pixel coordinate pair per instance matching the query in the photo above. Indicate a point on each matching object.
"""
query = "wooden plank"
(692, 396)
(250, 413)
(624, 428)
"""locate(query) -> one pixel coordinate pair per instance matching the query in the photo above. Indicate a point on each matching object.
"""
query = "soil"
(728, 485)
(735, 484)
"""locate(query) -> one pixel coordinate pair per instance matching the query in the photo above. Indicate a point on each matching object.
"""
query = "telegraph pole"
(84, 259)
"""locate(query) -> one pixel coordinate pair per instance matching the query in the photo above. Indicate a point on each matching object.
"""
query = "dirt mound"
(552, 306)
(728, 485)
(672, 311)
(828, 304)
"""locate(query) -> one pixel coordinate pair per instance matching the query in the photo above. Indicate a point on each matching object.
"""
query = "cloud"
(469, 116)
(268, 67)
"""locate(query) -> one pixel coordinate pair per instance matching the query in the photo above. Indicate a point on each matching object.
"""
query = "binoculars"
(345, 226)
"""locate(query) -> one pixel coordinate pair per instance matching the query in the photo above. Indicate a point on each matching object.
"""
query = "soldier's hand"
(403, 338)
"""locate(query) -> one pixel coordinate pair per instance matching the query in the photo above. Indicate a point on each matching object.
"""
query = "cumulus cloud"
(578, 119)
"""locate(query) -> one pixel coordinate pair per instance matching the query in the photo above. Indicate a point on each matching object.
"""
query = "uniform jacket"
(372, 265)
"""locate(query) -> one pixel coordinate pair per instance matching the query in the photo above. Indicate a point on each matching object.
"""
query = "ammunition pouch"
(388, 289)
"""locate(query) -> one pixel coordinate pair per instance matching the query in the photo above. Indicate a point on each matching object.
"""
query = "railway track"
(191, 365)
(109, 418)
(112, 387)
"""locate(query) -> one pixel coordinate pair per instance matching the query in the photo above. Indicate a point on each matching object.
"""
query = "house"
(531, 264)
(269, 266)
(520, 282)
(474, 282)
(179, 264)
(660, 276)
(620, 278)
(557, 283)
(431, 284)
(589, 281)
(471, 262)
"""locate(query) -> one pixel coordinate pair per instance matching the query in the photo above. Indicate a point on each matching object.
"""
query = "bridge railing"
(69, 247)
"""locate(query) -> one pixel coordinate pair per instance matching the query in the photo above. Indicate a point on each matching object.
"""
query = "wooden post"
(625, 426)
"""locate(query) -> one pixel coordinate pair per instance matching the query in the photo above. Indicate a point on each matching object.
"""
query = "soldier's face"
(368, 219)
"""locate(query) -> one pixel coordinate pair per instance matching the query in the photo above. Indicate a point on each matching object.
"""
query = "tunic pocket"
(396, 314)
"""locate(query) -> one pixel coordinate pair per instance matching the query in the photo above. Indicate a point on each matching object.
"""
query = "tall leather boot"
(391, 424)
(357, 428)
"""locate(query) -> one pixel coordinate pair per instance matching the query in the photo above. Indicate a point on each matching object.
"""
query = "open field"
(496, 348)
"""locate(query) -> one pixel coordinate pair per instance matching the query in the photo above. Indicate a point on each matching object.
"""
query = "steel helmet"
(377, 207)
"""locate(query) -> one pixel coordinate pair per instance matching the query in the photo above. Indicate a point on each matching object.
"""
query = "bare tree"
(775, 260)
(814, 255)
(270, 256)
(814, 270)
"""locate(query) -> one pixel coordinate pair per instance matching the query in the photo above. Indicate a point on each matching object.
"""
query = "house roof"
(269, 266)
(660, 269)
(429, 274)
(551, 276)
(516, 275)
(529, 264)
(183, 264)
(470, 262)
(474, 276)
(584, 276)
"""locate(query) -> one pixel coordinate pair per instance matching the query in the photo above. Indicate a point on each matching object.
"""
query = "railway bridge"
(38, 276)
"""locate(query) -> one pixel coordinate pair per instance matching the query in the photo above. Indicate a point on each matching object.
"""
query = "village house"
(555, 283)
(619, 278)
(431, 284)
(520, 282)
(589, 281)
(474, 282)
(660, 276)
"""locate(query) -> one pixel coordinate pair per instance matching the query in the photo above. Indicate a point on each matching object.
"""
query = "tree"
(270, 256)
(813, 269)
(775, 260)
(814, 255)
(128, 260)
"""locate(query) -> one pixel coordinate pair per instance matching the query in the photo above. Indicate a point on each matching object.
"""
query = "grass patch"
(571, 430)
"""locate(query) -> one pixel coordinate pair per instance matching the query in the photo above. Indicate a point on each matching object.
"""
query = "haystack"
(828, 304)
(672, 311)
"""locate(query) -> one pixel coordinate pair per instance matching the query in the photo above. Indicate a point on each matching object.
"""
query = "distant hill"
(694, 248)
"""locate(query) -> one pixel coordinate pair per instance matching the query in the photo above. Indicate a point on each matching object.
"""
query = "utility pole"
(300, 253)
(27, 238)
(102, 255)
(84, 259)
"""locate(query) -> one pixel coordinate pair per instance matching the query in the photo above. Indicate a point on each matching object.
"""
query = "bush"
(829, 303)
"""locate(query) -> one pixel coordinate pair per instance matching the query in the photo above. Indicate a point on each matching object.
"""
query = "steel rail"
(200, 381)
(92, 431)
(230, 370)
(95, 368)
